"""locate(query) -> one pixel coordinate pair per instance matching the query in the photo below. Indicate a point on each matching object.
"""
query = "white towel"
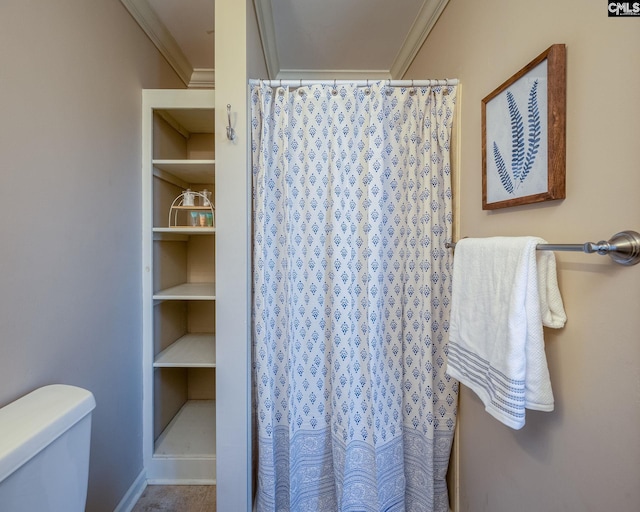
(503, 292)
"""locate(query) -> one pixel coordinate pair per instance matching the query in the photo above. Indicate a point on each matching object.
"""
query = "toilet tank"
(44, 450)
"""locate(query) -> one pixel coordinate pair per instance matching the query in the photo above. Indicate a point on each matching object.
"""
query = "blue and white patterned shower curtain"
(352, 288)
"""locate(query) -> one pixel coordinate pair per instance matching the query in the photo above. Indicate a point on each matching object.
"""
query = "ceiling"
(300, 38)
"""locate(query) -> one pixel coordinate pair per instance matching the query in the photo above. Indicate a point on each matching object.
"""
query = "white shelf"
(191, 433)
(192, 208)
(188, 291)
(186, 230)
(190, 351)
(190, 171)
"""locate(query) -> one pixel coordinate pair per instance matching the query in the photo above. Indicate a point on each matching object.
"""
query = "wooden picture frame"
(523, 134)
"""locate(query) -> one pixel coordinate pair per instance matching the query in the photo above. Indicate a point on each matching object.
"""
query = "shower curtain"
(352, 289)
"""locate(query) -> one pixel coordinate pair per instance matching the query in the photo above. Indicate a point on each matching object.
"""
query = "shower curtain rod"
(359, 83)
(623, 247)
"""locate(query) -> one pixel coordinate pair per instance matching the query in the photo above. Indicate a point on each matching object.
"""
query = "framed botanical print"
(523, 134)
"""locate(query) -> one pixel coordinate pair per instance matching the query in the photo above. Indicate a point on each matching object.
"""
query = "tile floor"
(177, 498)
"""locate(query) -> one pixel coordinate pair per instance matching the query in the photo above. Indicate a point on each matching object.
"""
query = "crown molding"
(161, 37)
(202, 79)
(423, 24)
(205, 78)
(266, 27)
(333, 74)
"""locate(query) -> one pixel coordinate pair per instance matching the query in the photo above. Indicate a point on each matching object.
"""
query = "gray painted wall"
(71, 74)
(584, 456)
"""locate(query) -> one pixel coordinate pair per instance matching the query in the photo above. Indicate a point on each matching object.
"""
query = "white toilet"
(44, 450)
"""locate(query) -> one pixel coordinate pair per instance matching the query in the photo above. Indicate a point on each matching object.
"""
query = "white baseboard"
(133, 494)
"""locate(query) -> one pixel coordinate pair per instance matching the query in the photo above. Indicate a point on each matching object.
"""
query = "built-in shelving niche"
(181, 294)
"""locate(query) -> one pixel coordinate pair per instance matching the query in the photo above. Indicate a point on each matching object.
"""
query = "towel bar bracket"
(623, 248)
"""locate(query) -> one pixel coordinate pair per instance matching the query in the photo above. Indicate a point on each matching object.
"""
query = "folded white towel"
(503, 292)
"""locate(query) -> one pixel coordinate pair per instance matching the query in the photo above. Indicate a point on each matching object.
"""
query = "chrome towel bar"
(623, 247)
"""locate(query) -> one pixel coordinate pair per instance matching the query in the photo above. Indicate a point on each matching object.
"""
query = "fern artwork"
(520, 165)
(516, 134)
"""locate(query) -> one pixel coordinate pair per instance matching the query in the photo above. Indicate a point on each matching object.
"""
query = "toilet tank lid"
(34, 421)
